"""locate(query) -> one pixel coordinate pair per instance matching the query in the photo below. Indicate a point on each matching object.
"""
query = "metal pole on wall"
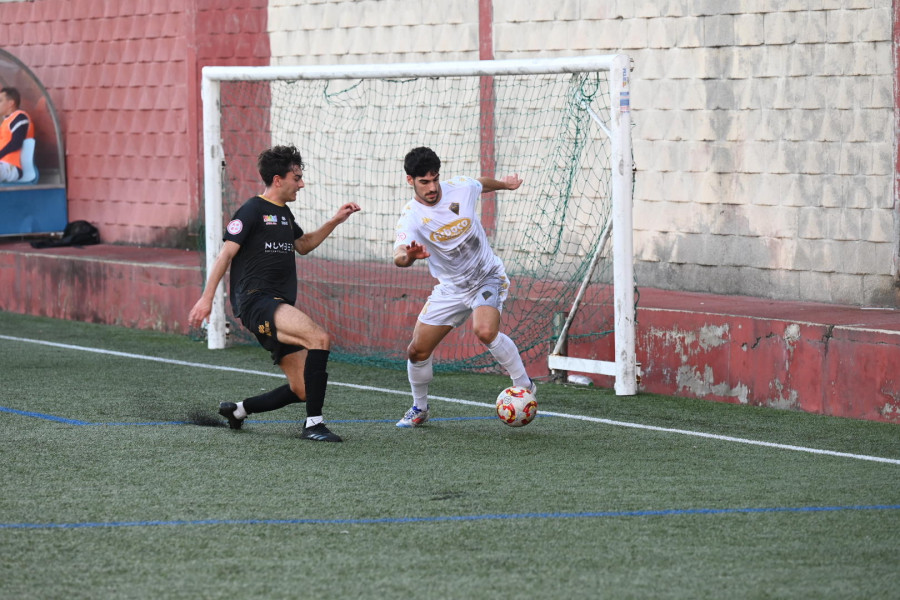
(487, 101)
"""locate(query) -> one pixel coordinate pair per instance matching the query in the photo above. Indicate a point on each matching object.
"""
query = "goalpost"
(565, 236)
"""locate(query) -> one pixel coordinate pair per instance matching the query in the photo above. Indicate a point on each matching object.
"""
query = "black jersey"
(265, 263)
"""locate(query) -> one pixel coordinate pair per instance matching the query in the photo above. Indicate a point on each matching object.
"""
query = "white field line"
(700, 434)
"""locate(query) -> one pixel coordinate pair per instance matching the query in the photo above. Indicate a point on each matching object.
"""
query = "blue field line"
(248, 421)
(138, 423)
(28, 413)
(673, 512)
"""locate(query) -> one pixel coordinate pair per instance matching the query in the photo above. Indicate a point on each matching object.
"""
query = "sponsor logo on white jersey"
(451, 230)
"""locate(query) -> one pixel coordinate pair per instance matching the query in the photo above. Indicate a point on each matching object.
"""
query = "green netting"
(353, 136)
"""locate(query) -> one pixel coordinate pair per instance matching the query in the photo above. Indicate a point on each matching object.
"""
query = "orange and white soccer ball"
(516, 406)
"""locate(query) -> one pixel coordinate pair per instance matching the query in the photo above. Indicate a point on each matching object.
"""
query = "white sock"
(420, 375)
(310, 421)
(506, 353)
(239, 412)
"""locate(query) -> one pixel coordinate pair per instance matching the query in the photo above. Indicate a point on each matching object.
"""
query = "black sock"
(277, 398)
(316, 378)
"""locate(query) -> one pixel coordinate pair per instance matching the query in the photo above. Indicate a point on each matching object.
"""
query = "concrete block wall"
(372, 31)
(764, 131)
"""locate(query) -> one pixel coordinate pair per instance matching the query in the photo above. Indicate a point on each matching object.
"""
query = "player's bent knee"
(415, 355)
(486, 336)
(320, 341)
(299, 391)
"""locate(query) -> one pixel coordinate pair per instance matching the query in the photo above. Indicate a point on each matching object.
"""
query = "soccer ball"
(516, 406)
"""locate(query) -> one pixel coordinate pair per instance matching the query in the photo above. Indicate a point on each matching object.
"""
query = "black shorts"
(258, 315)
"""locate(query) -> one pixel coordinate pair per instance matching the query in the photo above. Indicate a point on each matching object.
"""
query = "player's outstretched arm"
(203, 306)
(405, 256)
(489, 184)
(308, 242)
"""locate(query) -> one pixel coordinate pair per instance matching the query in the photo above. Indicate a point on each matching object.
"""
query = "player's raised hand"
(405, 256)
(345, 211)
(416, 251)
(512, 181)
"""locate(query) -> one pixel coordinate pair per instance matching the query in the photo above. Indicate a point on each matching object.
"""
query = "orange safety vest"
(14, 158)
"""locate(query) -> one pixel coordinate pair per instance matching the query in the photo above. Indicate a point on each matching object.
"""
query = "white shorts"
(8, 172)
(447, 306)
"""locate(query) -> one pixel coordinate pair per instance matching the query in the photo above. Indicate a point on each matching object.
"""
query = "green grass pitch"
(111, 490)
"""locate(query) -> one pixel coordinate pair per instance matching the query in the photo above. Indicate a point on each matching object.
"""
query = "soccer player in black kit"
(260, 242)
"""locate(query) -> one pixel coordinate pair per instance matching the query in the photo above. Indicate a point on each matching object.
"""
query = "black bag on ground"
(76, 233)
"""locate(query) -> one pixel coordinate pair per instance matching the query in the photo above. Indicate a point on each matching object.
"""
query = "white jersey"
(451, 231)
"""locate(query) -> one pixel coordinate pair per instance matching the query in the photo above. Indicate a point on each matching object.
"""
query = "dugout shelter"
(37, 205)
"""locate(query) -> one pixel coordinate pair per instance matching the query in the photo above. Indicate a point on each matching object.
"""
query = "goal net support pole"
(624, 368)
(212, 193)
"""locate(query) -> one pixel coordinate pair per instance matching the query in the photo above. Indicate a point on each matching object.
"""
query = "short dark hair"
(278, 160)
(13, 94)
(421, 161)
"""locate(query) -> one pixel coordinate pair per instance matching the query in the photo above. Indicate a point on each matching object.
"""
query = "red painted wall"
(896, 30)
(826, 359)
(125, 80)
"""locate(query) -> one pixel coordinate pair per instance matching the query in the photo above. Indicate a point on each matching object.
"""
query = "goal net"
(565, 235)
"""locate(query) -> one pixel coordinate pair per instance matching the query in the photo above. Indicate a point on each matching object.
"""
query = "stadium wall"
(764, 132)
(819, 358)
(764, 139)
(125, 80)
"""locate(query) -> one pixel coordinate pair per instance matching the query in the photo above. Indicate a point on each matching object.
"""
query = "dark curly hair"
(279, 160)
(421, 161)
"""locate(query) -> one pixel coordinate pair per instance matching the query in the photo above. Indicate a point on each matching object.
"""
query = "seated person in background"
(14, 130)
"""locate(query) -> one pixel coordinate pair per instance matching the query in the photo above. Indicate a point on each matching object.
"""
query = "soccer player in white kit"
(440, 223)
